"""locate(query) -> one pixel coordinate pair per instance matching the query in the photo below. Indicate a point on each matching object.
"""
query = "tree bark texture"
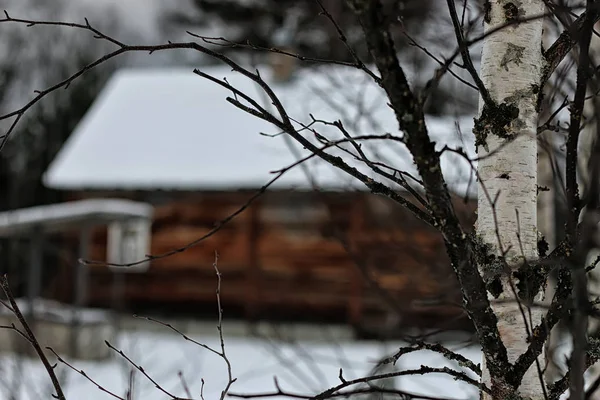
(511, 70)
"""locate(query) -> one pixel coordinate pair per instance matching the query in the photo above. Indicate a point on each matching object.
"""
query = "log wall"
(348, 257)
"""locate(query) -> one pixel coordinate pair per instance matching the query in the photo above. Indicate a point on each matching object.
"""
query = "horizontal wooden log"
(298, 257)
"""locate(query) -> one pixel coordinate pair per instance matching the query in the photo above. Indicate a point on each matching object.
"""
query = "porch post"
(81, 283)
(35, 270)
(82, 270)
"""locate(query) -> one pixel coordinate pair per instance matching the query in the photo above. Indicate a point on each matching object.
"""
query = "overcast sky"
(141, 16)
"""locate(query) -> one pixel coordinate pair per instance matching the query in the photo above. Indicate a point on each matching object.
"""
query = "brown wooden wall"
(351, 257)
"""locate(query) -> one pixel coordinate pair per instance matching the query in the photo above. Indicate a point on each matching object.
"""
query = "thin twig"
(223, 355)
(85, 375)
(143, 371)
(466, 56)
(186, 388)
(344, 40)
(189, 339)
(32, 338)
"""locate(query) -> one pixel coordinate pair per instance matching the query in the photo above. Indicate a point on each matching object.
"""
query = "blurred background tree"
(259, 22)
(301, 26)
(50, 56)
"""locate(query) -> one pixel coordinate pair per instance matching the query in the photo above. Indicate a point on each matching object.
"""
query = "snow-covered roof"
(64, 215)
(171, 129)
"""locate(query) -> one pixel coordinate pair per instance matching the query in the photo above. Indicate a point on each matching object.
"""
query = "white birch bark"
(511, 68)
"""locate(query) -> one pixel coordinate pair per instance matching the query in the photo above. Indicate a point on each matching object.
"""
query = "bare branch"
(222, 354)
(402, 394)
(437, 348)
(344, 40)
(423, 370)
(230, 379)
(186, 388)
(411, 120)
(143, 371)
(466, 56)
(86, 376)
(565, 43)
(31, 338)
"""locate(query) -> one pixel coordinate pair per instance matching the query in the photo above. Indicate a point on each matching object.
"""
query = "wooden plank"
(82, 270)
(355, 297)
(296, 259)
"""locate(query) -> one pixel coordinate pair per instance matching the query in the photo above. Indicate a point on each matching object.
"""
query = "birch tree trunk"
(511, 68)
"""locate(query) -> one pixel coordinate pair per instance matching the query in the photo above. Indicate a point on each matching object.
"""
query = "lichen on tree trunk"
(511, 69)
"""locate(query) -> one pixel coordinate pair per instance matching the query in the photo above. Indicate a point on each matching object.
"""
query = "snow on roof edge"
(183, 184)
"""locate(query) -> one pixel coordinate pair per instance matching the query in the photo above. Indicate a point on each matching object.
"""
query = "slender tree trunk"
(511, 68)
(587, 139)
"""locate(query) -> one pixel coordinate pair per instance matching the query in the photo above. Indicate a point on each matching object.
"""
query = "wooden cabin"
(314, 246)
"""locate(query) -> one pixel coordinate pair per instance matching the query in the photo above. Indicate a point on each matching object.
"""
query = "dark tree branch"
(419, 371)
(560, 386)
(466, 56)
(557, 310)
(565, 43)
(445, 67)
(86, 376)
(593, 388)
(437, 348)
(143, 372)
(32, 339)
(359, 63)
(224, 42)
(579, 327)
(401, 394)
(441, 63)
(576, 109)
(411, 120)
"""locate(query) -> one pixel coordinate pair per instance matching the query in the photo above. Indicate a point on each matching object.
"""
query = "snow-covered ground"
(306, 367)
